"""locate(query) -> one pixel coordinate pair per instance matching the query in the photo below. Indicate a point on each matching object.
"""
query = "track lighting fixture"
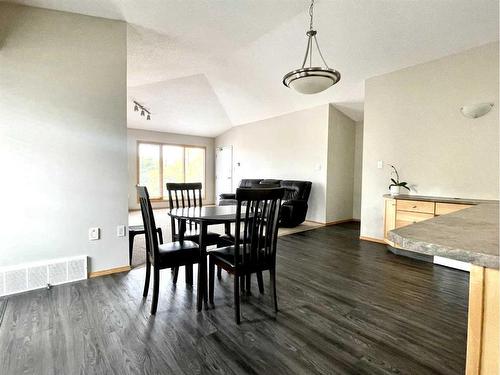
(144, 111)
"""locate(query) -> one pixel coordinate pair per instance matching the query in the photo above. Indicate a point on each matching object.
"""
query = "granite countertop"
(469, 235)
(438, 199)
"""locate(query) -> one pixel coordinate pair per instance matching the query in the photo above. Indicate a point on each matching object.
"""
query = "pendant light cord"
(310, 35)
(311, 14)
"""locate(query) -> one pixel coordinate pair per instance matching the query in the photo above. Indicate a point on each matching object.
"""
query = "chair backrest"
(257, 212)
(183, 195)
(149, 223)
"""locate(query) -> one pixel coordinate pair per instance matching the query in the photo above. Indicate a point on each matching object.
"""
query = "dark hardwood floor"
(346, 307)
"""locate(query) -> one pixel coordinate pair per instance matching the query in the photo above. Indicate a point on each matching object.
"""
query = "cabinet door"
(404, 218)
(390, 216)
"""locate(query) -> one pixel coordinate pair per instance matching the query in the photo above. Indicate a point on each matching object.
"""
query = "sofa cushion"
(249, 182)
(296, 190)
(270, 182)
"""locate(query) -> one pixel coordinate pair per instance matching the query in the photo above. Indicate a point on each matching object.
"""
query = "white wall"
(135, 135)
(340, 171)
(412, 119)
(292, 146)
(358, 169)
(62, 136)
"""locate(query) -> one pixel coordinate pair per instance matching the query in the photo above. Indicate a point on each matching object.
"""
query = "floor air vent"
(24, 277)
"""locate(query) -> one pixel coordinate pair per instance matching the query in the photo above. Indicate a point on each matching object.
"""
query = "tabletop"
(221, 214)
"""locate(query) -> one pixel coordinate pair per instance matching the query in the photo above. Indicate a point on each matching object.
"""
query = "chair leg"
(156, 290)
(148, 274)
(211, 276)
(242, 284)
(260, 281)
(130, 247)
(189, 274)
(237, 299)
(273, 282)
(219, 273)
(176, 273)
(249, 284)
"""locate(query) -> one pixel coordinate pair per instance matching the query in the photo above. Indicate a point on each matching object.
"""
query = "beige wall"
(413, 120)
(340, 170)
(358, 170)
(134, 135)
(63, 141)
(292, 146)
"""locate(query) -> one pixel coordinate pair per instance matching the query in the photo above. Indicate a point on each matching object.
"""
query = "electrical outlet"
(94, 233)
(380, 164)
(120, 230)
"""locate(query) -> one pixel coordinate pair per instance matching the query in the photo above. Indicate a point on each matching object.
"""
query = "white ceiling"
(204, 66)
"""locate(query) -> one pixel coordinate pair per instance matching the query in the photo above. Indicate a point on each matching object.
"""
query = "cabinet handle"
(414, 206)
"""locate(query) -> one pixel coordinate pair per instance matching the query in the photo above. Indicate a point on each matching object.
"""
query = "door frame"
(217, 150)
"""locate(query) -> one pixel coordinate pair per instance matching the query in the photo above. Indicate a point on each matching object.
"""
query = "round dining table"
(204, 216)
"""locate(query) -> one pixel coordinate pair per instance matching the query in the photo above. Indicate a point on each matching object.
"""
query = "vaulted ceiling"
(202, 66)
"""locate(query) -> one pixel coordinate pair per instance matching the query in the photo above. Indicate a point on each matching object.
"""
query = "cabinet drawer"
(404, 218)
(415, 206)
(446, 208)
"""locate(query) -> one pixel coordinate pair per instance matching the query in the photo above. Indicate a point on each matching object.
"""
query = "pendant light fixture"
(312, 79)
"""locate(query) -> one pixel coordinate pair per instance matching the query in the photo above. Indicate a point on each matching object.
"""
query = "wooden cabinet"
(402, 212)
(483, 341)
(415, 206)
(404, 218)
(447, 208)
(389, 217)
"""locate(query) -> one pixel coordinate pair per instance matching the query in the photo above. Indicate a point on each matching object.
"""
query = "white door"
(223, 170)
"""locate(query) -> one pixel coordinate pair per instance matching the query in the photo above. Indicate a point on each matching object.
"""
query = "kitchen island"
(469, 235)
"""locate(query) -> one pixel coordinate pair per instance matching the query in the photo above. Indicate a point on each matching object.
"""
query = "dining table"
(204, 217)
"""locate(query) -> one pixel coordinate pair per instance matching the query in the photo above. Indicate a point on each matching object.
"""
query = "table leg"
(202, 269)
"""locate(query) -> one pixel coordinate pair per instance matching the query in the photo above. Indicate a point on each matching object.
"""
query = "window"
(162, 163)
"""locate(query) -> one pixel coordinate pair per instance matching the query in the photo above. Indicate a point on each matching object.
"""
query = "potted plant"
(395, 187)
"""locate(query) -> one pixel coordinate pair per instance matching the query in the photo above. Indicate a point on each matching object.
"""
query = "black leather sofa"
(294, 207)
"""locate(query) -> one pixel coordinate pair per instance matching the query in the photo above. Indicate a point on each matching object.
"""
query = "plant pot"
(395, 190)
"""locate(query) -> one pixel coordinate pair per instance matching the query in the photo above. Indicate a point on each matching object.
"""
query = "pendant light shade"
(312, 79)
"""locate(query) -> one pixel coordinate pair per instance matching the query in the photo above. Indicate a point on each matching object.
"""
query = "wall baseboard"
(373, 239)
(333, 222)
(339, 222)
(109, 271)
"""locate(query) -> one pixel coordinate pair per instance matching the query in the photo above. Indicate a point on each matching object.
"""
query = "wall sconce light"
(144, 111)
(476, 110)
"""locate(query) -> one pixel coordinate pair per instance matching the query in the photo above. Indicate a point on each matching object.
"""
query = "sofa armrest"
(293, 212)
(295, 203)
(227, 196)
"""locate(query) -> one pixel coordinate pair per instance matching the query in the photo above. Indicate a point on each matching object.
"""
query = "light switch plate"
(380, 164)
(94, 234)
(120, 230)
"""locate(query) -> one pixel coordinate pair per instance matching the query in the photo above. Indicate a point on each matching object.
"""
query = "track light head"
(142, 112)
(149, 117)
(136, 108)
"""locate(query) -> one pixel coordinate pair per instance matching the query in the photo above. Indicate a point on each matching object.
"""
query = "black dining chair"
(254, 249)
(136, 230)
(161, 256)
(184, 195)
